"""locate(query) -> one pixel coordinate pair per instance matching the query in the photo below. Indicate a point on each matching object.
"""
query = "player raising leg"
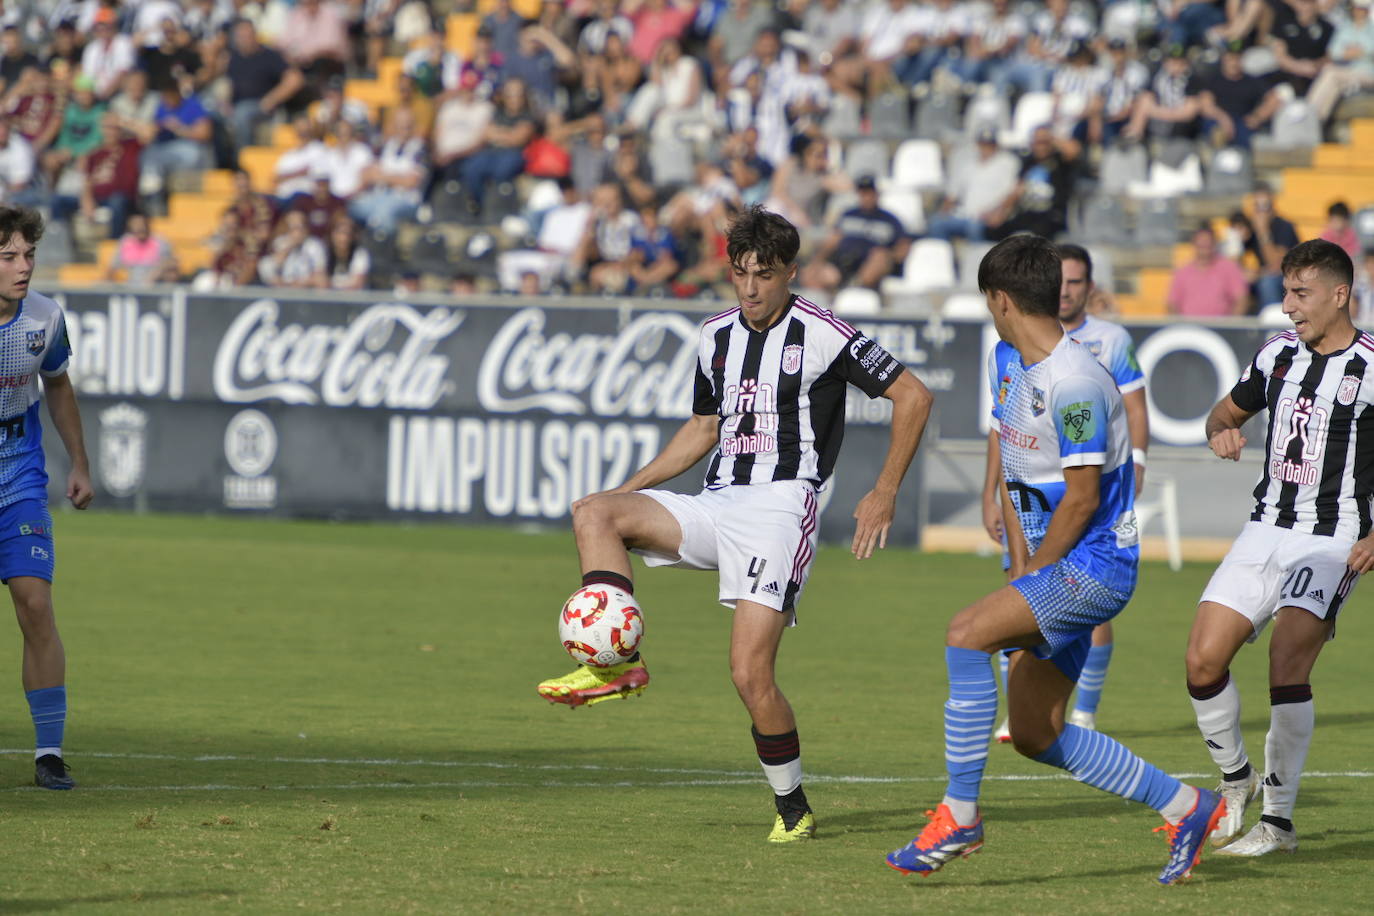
(769, 400)
(1069, 512)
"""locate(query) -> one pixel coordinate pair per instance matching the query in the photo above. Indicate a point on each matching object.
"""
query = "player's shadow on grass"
(1137, 870)
(134, 898)
(912, 821)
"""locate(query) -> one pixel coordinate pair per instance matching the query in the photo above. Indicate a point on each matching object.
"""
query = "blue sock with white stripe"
(1094, 676)
(969, 716)
(48, 707)
(1109, 765)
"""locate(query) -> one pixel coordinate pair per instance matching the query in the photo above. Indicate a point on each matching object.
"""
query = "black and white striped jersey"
(1318, 475)
(780, 393)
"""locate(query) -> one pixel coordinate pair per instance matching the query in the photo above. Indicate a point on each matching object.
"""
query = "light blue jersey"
(1111, 345)
(32, 343)
(1065, 411)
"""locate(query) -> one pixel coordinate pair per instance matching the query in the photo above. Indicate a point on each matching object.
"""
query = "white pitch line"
(728, 777)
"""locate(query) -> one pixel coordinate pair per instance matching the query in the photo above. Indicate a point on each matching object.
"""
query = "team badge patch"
(1079, 423)
(792, 358)
(1350, 387)
(1245, 376)
(37, 340)
(1037, 401)
(1095, 348)
(1002, 390)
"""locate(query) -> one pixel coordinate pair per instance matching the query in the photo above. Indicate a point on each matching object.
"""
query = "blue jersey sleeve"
(59, 351)
(1123, 366)
(998, 379)
(1081, 420)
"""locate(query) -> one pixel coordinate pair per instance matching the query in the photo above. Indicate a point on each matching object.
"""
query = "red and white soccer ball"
(600, 626)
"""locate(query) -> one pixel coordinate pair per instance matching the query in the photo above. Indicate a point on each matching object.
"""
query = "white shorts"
(1270, 568)
(762, 538)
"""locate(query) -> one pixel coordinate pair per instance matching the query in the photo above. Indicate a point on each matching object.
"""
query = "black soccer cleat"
(50, 772)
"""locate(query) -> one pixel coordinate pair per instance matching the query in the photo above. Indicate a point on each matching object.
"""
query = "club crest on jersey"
(1037, 401)
(1095, 348)
(792, 358)
(1002, 390)
(37, 339)
(1350, 387)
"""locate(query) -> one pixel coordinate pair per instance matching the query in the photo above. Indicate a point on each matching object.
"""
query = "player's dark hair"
(1070, 252)
(27, 222)
(1026, 268)
(772, 239)
(1327, 257)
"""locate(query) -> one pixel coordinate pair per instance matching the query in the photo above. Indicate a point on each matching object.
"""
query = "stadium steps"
(80, 274)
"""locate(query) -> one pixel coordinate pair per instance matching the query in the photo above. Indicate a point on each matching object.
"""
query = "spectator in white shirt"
(560, 234)
(296, 258)
(977, 187)
(995, 34)
(392, 185)
(296, 168)
(108, 55)
(346, 161)
(16, 167)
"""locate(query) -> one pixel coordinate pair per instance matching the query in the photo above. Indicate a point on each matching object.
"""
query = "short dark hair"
(1027, 268)
(1327, 257)
(1070, 252)
(1339, 208)
(27, 222)
(772, 239)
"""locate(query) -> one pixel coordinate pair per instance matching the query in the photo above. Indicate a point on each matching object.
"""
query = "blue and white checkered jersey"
(1065, 411)
(1111, 344)
(33, 342)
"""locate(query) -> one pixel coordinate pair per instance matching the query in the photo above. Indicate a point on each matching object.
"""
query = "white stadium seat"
(857, 300)
(929, 265)
(917, 165)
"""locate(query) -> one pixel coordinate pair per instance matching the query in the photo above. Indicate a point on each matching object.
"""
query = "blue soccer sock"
(969, 716)
(1107, 764)
(48, 707)
(1094, 676)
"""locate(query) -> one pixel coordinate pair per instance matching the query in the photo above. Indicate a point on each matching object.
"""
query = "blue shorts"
(26, 547)
(1068, 603)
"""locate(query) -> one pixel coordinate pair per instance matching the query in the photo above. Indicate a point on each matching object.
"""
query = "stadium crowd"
(601, 146)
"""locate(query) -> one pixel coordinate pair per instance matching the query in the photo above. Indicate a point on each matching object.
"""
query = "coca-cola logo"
(646, 369)
(382, 358)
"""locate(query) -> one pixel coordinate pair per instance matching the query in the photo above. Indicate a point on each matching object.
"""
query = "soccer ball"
(600, 626)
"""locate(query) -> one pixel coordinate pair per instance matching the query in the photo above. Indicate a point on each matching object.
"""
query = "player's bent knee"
(1033, 739)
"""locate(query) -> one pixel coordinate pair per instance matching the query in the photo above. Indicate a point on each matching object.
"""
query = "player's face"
(1073, 291)
(1318, 308)
(16, 267)
(763, 291)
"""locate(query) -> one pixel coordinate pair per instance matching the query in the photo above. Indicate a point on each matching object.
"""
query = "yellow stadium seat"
(1152, 289)
(217, 181)
(261, 163)
(459, 31)
(80, 274)
(389, 70)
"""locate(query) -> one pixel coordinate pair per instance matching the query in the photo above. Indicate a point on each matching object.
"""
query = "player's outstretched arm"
(992, 485)
(911, 402)
(692, 442)
(1223, 429)
(66, 418)
(1361, 558)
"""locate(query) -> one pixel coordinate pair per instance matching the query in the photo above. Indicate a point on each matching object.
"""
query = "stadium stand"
(613, 100)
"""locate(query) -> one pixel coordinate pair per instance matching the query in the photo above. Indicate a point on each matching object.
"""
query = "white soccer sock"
(1285, 747)
(45, 751)
(784, 778)
(965, 812)
(1218, 718)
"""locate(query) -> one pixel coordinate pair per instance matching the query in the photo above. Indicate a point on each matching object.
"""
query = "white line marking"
(725, 777)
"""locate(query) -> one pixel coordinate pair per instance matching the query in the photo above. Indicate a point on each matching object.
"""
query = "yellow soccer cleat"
(588, 685)
(803, 827)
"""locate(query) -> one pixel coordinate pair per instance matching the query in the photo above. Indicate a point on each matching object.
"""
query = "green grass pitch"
(277, 717)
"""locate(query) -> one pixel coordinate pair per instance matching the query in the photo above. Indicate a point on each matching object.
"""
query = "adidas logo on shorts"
(772, 589)
(1317, 595)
